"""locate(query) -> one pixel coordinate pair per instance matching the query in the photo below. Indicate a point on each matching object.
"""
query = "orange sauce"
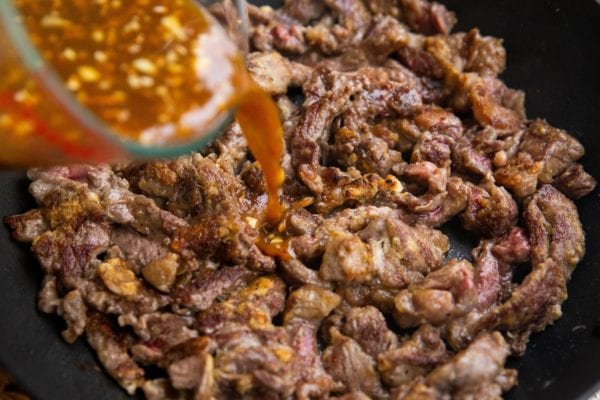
(154, 72)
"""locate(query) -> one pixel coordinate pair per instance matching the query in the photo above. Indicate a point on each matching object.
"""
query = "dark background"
(553, 54)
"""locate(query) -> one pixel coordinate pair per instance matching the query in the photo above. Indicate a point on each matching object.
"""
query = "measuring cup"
(42, 122)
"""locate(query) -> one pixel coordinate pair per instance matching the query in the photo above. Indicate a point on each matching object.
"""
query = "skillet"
(553, 54)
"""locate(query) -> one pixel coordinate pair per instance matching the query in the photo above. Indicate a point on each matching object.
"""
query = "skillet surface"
(553, 54)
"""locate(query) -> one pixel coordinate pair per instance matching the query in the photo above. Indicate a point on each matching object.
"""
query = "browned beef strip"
(310, 304)
(346, 362)
(443, 295)
(575, 182)
(554, 229)
(74, 311)
(27, 226)
(313, 128)
(544, 153)
(513, 248)
(480, 364)
(255, 304)
(304, 11)
(491, 210)
(111, 348)
(428, 18)
(368, 327)
(415, 357)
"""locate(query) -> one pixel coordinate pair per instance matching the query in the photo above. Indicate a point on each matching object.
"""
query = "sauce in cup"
(107, 80)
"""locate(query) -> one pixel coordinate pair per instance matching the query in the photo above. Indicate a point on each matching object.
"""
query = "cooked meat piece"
(453, 202)
(193, 372)
(432, 148)
(139, 250)
(274, 30)
(270, 361)
(520, 175)
(231, 148)
(353, 396)
(347, 259)
(368, 294)
(296, 273)
(444, 294)
(228, 237)
(352, 220)
(49, 299)
(270, 71)
(367, 326)
(198, 290)
(575, 182)
(414, 390)
(428, 18)
(557, 245)
(160, 330)
(389, 249)
(554, 229)
(310, 304)
(545, 153)
(554, 147)
(346, 362)
(513, 248)
(414, 357)
(98, 296)
(26, 227)
(401, 253)
(489, 109)
(68, 250)
(349, 22)
(304, 11)
(255, 304)
(386, 35)
(479, 364)
(334, 188)
(491, 210)
(111, 348)
(300, 222)
(488, 279)
(312, 130)
(160, 389)
(73, 310)
(364, 152)
(420, 61)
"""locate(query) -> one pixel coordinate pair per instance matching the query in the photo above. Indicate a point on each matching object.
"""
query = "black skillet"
(553, 54)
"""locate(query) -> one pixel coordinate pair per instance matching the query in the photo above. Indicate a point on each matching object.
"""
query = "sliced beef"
(368, 327)
(481, 364)
(347, 363)
(111, 348)
(444, 294)
(26, 227)
(199, 289)
(513, 248)
(415, 357)
(255, 304)
(304, 11)
(428, 18)
(310, 304)
(575, 182)
(544, 153)
(270, 71)
(491, 210)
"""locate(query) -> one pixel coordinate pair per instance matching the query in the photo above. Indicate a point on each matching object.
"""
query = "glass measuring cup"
(43, 120)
